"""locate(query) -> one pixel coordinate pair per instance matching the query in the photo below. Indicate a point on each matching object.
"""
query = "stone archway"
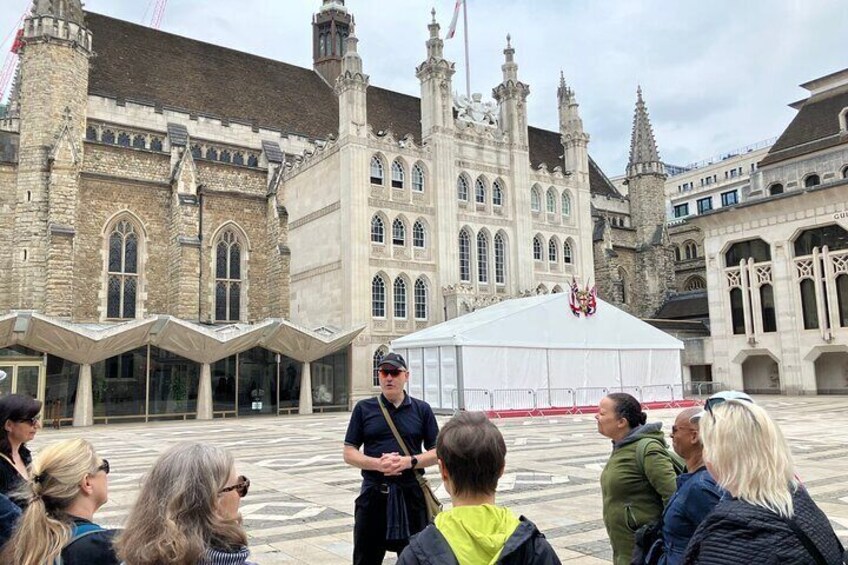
(761, 375)
(832, 373)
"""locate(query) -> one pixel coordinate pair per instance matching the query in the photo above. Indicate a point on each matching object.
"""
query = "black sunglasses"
(713, 402)
(31, 421)
(240, 487)
(104, 467)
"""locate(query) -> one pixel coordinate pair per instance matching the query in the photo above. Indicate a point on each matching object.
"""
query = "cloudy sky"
(716, 75)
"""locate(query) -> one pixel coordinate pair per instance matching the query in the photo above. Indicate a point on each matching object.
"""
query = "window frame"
(462, 188)
(701, 207)
(236, 242)
(678, 208)
(378, 230)
(726, 199)
(377, 166)
(398, 233)
(398, 175)
(420, 299)
(126, 229)
(419, 235)
(378, 284)
(418, 178)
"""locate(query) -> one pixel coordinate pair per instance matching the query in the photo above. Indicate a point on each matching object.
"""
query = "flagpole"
(467, 65)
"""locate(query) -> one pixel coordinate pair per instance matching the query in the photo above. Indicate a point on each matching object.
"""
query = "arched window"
(842, 299)
(556, 290)
(695, 283)
(91, 133)
(419, 235)
(776, 188)
(377, 360)
(238, 158)
(156, 144)
(228, 277)
(737, 311)
(398, 232)
(535, 199)
(420, 300)
(553, 255)
(621, 285)
(808, 305)
(691, 250)
(566, 205)
(567, 252)
(400, 298)
(845, 172)
(482, 258)
(139, 142)
(480, 191)
(124, 139)
(378, 297)
(537, 249)
(196, 151)
(676, 253)
(108, 136)
(497, 193)
(833, 236)
(397, 174)
(500, 259)
(767, 308)
(462, 188)
(212, 154)
(377, 230)
(464, 256)
(225, 156)
(551, 201)
(376, 170)
(418, 178)
(756, 249)
(252, 161)
(122, 271)
(812, 180)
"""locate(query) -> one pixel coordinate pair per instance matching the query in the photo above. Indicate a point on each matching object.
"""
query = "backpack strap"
(78, 532)
(642, 449)
(806, 541)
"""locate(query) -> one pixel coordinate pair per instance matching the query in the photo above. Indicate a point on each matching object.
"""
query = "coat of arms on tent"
(583, 301)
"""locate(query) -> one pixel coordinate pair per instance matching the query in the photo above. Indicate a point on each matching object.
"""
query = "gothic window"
(377, 233)
(842, 299)
(212, 154)
(621, 285)
(833, 236)
(252, 161)
(464, 256)
(811, 181)
(378, 297)
(480, 191)
(91, 133)
(776, 188)
(228, 277)
(322, 45)
(419, 235)
(500, 259)
(462, 188)
(695, 283)
(566, 205)
(537, 249)
(808, 304)
(556, 290)
(398, 232)
(845, 172)
(156, 144)
(737, 311)
(551, 201)
(377, 360)
(124, 139)
(196, 151)
(482, 258)
(397, 174)
(552, 251)
(567, 252)
(418, 178)
(376, 170)
(225, 156)
(757, 249)
(535, 199)
(139, 142)
(691, 250)
(108, 136)
(122, 271)
(767, 308)
(400, 298)
(238, 158)
(420, 300)
(676, 253)
(497, 193)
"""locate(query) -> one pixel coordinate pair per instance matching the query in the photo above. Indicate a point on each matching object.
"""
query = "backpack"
(642, 447)
(78, 532)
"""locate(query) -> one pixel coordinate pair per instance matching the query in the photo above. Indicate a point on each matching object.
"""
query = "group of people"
(727, 493)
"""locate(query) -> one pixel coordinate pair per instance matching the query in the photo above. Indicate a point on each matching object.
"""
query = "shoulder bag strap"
(808, 543)
(391, 423)
(15, 467)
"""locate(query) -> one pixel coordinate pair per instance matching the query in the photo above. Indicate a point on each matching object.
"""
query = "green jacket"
(631, 499)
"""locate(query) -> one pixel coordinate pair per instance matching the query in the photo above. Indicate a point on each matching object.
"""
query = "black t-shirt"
(93, 549)
(11, 479)
(414, 420)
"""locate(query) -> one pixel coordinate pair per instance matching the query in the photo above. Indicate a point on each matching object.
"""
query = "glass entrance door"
(22, 378)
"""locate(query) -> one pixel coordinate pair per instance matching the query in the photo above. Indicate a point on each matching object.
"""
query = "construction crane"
(158, 12)
(11, 61)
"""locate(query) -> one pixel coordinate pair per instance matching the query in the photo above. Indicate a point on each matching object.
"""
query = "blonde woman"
(69, 483)
(187, 511)
(768, 516)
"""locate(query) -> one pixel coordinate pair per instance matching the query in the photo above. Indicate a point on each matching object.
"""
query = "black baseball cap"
(393, 360)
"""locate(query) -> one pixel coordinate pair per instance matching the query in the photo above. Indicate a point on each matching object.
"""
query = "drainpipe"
(200, 251)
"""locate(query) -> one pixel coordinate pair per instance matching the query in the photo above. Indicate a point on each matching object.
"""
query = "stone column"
(305, 390)
(84, 405)
(204, 393)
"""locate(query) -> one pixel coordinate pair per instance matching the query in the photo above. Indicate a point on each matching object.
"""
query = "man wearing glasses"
(390, 507)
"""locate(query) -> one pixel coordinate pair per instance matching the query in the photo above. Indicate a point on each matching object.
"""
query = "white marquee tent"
(534, 353)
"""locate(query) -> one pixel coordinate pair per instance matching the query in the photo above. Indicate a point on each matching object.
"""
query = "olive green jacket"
(631, 498)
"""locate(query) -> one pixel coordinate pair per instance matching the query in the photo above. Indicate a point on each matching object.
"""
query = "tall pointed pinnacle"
(70, 10)
(570, 124)
(435, 45)
(565, 94)
(509, 68)
(644, 157)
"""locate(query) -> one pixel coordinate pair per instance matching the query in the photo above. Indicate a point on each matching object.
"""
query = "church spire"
(644, 157)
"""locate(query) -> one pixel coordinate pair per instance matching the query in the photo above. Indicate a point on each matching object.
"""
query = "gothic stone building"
(169, 205)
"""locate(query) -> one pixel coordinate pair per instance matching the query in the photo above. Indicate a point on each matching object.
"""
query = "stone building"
(191, 231)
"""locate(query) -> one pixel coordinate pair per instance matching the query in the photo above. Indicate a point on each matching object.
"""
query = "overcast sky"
(716, 74)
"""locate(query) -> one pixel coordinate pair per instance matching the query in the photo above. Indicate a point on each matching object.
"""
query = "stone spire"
(70, 10)
(511, 95)
(435, 45)
(435, 74)
(574, 139)
(569, 115)
(644, 157)
(331, 27)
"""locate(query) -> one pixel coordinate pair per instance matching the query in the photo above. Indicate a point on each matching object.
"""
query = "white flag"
(452, 28)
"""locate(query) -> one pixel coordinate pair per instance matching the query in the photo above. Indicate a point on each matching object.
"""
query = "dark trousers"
(369, 529)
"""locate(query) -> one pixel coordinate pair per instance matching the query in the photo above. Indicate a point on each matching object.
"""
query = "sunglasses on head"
(240, 487)
(392, 372)
(713, 402)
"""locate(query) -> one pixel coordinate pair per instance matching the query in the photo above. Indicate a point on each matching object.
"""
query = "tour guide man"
(390, 506)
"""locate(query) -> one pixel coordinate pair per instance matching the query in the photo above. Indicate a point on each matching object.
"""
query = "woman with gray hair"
(187, 511)
(767, 517)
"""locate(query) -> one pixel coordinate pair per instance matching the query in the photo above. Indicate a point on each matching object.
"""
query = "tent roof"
(543, 322)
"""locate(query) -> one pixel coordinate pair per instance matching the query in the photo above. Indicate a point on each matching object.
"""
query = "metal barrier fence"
(474, 399)
(514, 399)
(705, 388)
(589, 396)
(556, 397)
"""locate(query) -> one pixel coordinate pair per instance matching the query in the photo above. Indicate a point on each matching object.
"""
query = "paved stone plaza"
(299, 509)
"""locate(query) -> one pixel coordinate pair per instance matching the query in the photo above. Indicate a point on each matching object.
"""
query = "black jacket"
(737, 532)
(93, 549)
(11, 480)
(526, 546)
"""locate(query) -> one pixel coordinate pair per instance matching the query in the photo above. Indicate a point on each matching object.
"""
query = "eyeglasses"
(104, 467)
(675, 429)
(713, 402)
(31, 421)
(391, 372)
(240, 487)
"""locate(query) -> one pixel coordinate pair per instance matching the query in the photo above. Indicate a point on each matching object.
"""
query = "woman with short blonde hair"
(768, 516)
(69, 483)
(187, 511)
